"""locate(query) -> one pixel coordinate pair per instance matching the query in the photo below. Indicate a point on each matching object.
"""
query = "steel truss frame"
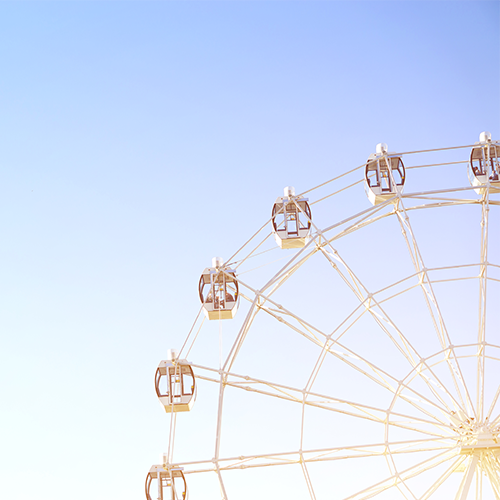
(455, 428)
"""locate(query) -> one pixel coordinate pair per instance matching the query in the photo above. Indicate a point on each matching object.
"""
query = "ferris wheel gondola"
(384, 175)
(170, 483)
(175, 384)
(218, 290)
(291, 218)
(485, 163)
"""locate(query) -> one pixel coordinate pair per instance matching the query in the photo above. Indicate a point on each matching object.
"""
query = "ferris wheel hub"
(479, 439)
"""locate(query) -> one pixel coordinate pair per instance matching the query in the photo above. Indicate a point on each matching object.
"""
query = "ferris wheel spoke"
(357, 287)
(381, 320)
(347, 356)
(334, 338)
(493, 404)
(290, 267)
(307, 478)
(222, 387)
(483, 280)
(433, 307)
(441, 480)
(382, 378)
(418, 445)
(302, 327)
(241, 335)
(366, 299)
(313, 334)
(286, 272)
(405, 347)
(221, 481)
(417, 400)
(399, 478)
(420, 268)
(433, 427)
(263, 302)
(490, 465)
(311, 456)
(377, 375)
(309, 333)
(349, 278)
(479, 486)
(463, 489)
(333, 257)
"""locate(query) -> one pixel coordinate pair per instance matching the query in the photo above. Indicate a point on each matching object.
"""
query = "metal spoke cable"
(248, 241)
(191, 330)
(287, 393)
(430, 299)
(337, 192)
(331, 180)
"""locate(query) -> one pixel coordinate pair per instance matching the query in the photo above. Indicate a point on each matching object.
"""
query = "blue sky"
(140, 139)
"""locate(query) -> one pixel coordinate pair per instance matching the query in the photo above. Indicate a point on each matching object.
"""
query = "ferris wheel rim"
(396, 202)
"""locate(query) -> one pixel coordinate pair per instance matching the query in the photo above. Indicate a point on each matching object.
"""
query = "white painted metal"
(217, 262)
(172, 354)
(439, 435)
(485, 137)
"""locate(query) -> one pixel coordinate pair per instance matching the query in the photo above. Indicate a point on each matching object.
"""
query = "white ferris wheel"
(350, 348)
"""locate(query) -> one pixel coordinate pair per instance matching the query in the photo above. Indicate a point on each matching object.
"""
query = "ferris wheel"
(350, 348)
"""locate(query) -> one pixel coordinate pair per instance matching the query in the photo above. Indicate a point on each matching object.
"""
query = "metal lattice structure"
(364, 364)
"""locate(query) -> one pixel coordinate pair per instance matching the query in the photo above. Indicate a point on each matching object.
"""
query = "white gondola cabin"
(485, 163)
(164, 484)
(291, 218)
(218, 291)
(384, 175)
(175, 384)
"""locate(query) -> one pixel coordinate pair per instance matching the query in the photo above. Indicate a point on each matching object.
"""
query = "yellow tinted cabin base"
(179, 407)
(291, 241)
(221, 314)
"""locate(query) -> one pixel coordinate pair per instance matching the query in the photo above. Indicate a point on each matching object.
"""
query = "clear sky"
(140, 139)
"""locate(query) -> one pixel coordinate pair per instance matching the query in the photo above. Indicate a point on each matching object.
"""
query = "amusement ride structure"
(362, 359)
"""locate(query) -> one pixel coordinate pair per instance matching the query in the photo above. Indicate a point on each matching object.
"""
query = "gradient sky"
(140, 139)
